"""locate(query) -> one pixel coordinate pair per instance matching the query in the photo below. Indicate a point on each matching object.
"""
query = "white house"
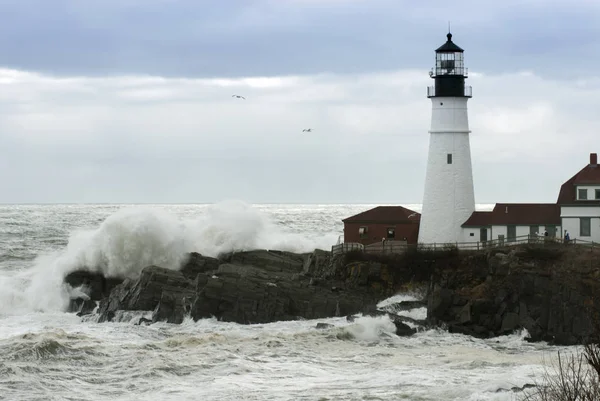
(577, 212)
(579, 201)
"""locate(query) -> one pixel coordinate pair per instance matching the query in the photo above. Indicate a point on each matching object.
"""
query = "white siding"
(580, 211)
(570, 220)
(449, 198)
(476, 234)
(497, 231)
(572, 224)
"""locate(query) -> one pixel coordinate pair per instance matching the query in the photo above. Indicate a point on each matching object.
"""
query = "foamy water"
(48, 354)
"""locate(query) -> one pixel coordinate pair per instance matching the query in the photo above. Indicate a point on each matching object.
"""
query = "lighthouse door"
(483, 235)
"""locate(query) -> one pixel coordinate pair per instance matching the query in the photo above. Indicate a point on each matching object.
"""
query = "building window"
(449, 158)
(391, 233)
(533, 230)
(582, 194)
(551, 231)
(511, 233)
(471, 234)
(362, 231)
(597, 194)
(585, 226)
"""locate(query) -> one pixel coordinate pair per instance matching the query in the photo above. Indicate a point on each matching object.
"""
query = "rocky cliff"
(552, 291)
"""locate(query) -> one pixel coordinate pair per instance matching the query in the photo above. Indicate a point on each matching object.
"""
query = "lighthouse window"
(449, 158)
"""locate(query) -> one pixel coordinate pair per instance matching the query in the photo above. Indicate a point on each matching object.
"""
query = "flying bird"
(238, 96)
(307, 130)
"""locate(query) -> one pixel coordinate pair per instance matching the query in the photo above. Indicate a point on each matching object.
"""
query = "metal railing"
(433, 74)
(395, 247)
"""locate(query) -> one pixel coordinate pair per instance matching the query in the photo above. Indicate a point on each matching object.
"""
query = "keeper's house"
(577, 211)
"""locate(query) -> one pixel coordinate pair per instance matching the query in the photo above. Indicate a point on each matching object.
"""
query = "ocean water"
(46, 354)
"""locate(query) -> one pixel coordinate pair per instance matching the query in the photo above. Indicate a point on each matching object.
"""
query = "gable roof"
(589, 175)
(385, 214)
(516, 214)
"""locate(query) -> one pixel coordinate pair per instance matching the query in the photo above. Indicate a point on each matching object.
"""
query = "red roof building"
(389, 222)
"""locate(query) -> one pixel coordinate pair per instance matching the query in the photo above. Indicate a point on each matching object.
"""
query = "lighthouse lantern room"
(449, 198)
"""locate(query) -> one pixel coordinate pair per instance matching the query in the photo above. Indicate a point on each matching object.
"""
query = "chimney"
(593, 159)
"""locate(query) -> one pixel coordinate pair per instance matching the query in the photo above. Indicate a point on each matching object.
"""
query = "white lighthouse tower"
(449, 198)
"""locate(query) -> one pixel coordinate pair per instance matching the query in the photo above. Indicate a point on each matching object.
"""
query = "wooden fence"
(391, 247)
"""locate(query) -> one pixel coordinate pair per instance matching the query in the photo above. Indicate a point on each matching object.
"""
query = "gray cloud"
(155, 139)
(206, 38)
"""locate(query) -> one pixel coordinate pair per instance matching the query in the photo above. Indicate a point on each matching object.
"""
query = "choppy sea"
(47, 354)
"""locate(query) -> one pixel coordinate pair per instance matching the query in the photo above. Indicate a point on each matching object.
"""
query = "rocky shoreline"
(245, 287)
(547, 291)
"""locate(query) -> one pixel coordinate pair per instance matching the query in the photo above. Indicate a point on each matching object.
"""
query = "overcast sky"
(130, 100)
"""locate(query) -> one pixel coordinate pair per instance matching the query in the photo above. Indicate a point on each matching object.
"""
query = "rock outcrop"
(246, 287)
(549, 291)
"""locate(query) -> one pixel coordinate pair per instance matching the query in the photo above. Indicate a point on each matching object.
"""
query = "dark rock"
(402, 329)
(146, 293)
(319, 264)
(321, 326)
(82, 306)
(404, 306)
(197, 263)
(549, 295)
(143, 321)
(510, 322)
(95, 285)
(271, 261)
(172, 307)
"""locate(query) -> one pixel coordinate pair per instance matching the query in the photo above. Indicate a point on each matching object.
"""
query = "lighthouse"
(449, 198)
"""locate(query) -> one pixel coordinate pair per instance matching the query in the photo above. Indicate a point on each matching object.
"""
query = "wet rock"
(95, 285)
(402, 329)
(146, 292)
(198, 263)
(244, 287)
(322, 326)
(82, 306)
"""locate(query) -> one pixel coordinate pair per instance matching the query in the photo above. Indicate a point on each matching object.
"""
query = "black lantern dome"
(449, 72)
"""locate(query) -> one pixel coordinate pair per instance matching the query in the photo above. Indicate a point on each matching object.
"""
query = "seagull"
(307, 130)
(414, 214)
(238, 96)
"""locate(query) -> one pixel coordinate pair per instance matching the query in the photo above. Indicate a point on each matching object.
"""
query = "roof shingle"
(385, 214)
(517, 214)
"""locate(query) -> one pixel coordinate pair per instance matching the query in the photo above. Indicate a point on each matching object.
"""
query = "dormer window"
(582, 194)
